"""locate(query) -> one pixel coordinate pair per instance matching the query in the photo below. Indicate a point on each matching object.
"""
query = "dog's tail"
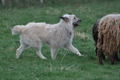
(17, 29)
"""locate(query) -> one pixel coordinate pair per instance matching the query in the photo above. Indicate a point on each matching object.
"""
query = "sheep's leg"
(103, 56)
(115, 56)
(96, 50)
(110, 58)
(99, 52)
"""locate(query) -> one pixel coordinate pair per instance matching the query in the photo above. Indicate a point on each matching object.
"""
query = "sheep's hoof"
(112, 63)
(101, 64)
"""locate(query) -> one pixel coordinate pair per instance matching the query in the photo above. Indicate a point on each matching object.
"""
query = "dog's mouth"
(75, 24)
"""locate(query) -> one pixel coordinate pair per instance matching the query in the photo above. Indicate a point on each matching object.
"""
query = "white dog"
(55, 35)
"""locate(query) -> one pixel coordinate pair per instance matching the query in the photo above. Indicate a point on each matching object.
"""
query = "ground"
(67, 66)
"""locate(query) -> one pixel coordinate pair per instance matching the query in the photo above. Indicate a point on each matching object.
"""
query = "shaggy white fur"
(55, 35)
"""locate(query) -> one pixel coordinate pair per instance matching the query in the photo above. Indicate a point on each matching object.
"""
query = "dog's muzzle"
(76, 23)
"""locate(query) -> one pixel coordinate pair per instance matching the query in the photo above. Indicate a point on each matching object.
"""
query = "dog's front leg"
(54, 51)
(73, 49)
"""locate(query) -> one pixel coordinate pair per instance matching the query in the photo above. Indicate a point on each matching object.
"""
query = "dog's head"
(71, 18)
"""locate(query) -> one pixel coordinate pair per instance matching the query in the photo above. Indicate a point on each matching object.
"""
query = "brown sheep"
(106, 36)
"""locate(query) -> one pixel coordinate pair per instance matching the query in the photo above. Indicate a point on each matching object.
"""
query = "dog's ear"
(65, 18)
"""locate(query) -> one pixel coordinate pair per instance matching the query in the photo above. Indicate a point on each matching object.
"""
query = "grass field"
(67, 66)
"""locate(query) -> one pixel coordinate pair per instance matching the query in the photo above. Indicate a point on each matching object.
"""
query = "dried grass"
(82, 35)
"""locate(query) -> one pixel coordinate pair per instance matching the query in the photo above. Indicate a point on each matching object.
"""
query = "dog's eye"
(74, 17)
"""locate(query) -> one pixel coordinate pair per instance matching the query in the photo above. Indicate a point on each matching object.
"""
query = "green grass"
(67, 66)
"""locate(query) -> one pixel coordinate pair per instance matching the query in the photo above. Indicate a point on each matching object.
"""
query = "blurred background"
(42, 3)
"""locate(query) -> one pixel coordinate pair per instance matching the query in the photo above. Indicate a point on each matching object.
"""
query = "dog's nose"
(79, 20)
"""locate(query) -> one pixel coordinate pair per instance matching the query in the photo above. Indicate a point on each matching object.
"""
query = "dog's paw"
(17, 57)
(80, 55)
(44, 58)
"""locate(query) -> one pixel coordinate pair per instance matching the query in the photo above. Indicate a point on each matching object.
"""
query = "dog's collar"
(69, 32)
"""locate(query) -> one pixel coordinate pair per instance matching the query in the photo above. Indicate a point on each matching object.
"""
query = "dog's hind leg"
(54, 51)
(38, 51)
(73, 49)
(20, 49)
